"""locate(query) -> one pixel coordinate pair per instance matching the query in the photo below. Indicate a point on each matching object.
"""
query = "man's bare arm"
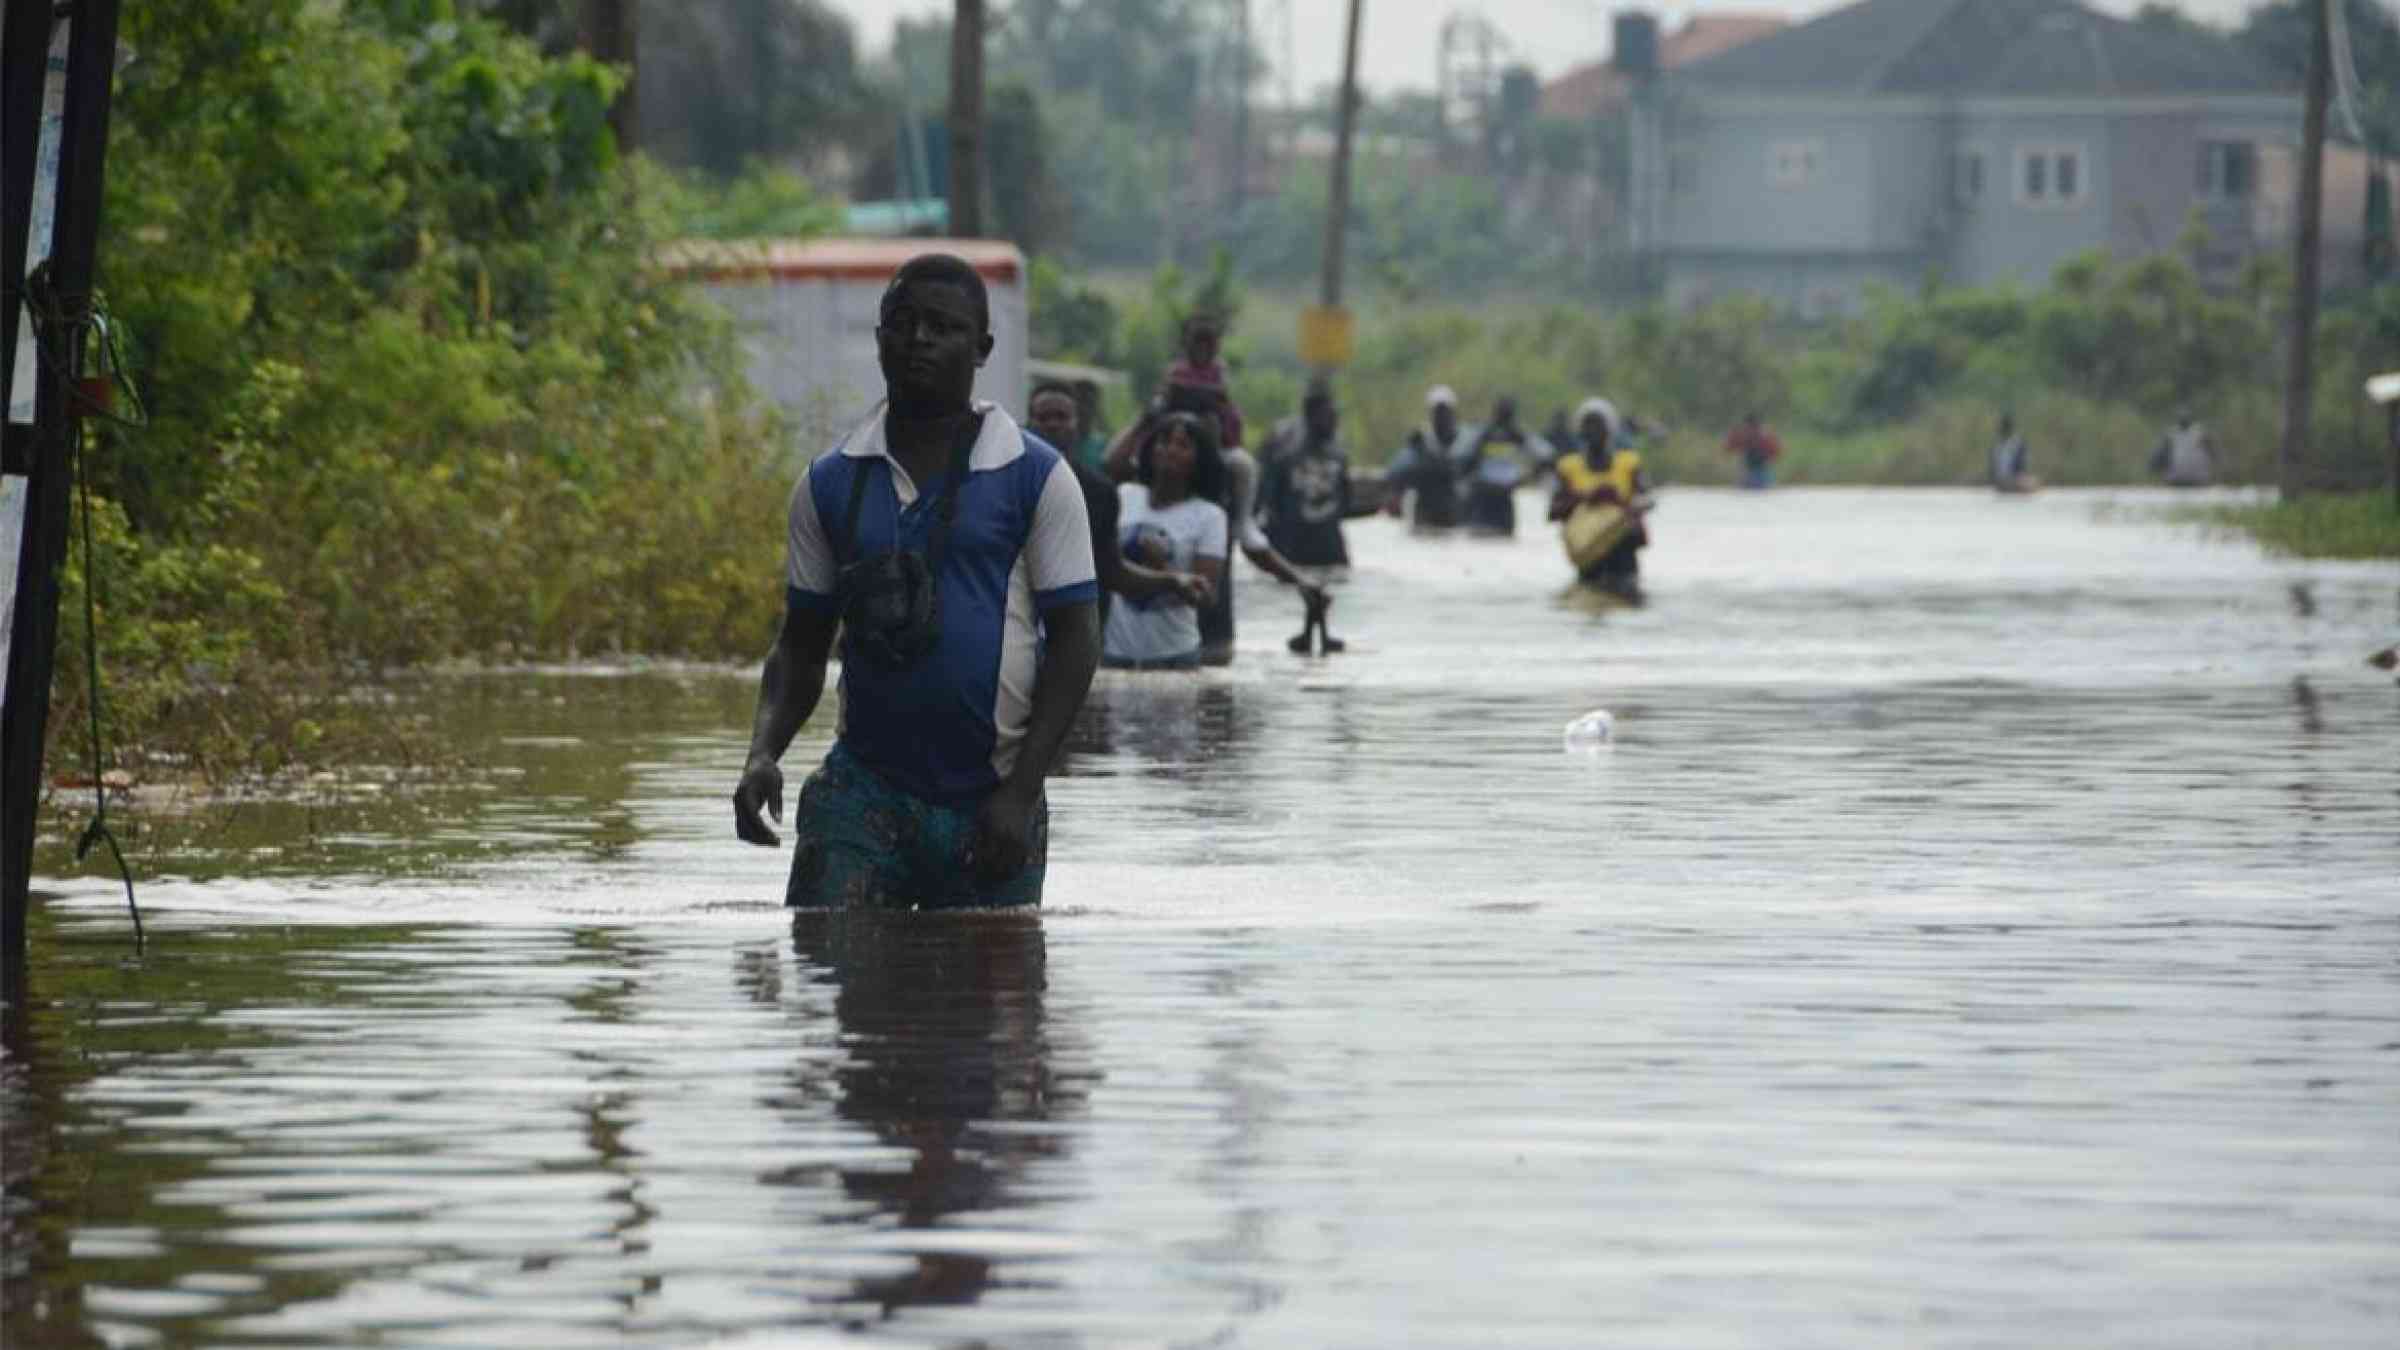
(1070, 653)
(788, 691)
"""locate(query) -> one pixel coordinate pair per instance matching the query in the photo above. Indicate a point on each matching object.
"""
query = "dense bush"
(416, 392)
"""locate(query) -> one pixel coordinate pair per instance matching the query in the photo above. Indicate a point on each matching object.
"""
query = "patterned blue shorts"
(861, 843)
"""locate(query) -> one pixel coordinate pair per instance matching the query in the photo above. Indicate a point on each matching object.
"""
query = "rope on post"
(62, 326)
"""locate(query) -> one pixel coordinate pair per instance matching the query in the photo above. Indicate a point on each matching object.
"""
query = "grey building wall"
(2241, 229)
(1800, 200)
(1723, 192)
(2142, 160)
(2008, 232)
(2158, 164)
(1880, 200)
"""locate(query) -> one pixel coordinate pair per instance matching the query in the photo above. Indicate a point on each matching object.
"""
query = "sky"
(1396, 37)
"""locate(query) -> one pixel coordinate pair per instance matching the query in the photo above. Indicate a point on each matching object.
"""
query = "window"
(2227, 169)
(1966, 177)
(1794, 163)
(2050, 175)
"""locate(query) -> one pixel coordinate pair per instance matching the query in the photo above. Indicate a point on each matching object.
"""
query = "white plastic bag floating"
(1595, 730)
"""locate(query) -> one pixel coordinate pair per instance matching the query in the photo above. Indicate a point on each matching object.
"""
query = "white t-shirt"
(1162, 627)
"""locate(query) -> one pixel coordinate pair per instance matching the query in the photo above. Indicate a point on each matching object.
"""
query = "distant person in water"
(1241, 509)
(2185, 457)
(1169, 520)
(950, 550)
(1560, 435)
(2011, 460)
(1502, 456)
(1758, 448)
(1600, 475)
(1425, 472)
(1307, 486)
(1055, 415)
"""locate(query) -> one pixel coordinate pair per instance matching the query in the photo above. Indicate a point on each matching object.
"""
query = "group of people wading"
(1454, 476)
(976, 573)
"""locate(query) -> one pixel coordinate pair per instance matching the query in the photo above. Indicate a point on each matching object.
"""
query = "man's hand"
(1194, 590)
(762, 784)
(1003, 834)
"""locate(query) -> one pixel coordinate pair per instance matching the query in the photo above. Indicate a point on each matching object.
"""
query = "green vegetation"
(2331, 525)
(416, 394)
(2093, 367)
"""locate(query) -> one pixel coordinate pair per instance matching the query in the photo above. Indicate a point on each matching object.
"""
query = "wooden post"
(40, 452)
(966, 120)
(1337, 208)
(2300, 359)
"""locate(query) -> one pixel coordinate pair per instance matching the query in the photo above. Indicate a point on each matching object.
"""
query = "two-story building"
(1978, 140)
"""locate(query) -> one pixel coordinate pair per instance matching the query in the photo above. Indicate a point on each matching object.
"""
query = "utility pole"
(59, 66)
(1337, 210)
(966, 120)
(1241, 102)
(608, 34)
(1325, 329)
(2300, 369)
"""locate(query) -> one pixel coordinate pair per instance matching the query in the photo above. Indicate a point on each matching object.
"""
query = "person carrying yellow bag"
(1603, 499)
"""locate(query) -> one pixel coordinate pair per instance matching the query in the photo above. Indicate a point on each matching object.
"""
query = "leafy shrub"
(417, 392)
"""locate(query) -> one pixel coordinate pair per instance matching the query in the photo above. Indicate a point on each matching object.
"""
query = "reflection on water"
(1980, 933)
(947, 1063)
(2304, 697)
(408, 1131)
(1168, 724)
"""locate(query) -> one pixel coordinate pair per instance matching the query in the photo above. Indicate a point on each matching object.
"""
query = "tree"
(607, 31)
(727, 83)
(1142, 59)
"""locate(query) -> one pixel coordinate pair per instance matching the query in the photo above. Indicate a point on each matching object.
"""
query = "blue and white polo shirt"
(948, 729)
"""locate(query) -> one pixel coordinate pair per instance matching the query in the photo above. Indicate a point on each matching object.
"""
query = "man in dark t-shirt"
(1307, 486)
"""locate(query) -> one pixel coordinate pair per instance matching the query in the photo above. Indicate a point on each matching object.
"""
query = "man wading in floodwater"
(953, 551)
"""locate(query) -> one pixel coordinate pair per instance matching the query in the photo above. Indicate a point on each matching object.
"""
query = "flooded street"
(1984, 931)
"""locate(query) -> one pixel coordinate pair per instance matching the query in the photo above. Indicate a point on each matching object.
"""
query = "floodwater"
(1984, 931)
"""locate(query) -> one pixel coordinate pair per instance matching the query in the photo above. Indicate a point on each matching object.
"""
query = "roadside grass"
(2351, 525)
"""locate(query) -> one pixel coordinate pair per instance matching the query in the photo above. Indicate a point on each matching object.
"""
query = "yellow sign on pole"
(1325, 336)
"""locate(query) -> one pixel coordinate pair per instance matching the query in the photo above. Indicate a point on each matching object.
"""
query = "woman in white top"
(1169, 520)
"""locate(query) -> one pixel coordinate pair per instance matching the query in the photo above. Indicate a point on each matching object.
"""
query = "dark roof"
(2052, 48)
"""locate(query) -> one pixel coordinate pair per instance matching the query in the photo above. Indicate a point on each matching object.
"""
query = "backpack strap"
(960, 452)
(948, 511)
(858, 497)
